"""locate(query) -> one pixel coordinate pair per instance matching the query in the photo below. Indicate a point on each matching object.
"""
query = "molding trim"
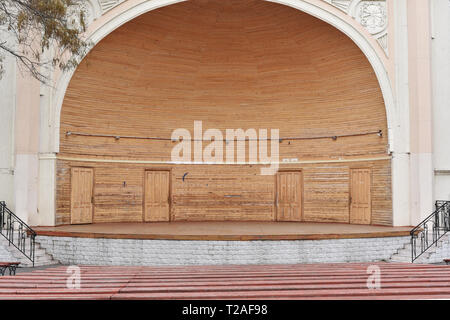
(7, 171)
(107, 5)
(371, 14)
(380, 158)
(442, 172)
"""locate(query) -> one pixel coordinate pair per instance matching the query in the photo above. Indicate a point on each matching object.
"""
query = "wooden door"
(289, 196)
(81, 207)
(157, 196)
(360, 198)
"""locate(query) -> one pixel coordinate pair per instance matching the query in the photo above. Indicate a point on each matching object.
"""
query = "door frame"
(350, 198)
(299, 170)
(170, 190)
(92, 195)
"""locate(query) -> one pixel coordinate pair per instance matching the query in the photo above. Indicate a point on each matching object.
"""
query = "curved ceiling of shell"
(232, 64)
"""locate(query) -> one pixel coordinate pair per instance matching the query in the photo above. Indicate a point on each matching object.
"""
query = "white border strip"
(213, 163)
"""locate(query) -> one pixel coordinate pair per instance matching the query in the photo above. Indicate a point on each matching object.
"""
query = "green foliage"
(43, 34)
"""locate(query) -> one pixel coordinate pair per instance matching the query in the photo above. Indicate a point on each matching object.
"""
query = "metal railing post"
(8, 221)
(439, 227)
(412, 248)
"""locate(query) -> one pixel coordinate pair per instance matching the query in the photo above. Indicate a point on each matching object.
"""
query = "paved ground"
(319, 281)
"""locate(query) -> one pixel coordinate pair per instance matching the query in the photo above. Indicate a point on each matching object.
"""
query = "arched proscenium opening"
(233, 64)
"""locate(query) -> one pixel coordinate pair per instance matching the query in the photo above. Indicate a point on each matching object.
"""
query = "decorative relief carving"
(340, 4)
(96, 8)
(109, 4)
(88, 11)
(371, 14)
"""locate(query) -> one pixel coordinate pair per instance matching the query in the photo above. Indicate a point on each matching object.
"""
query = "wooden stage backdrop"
(230, 64)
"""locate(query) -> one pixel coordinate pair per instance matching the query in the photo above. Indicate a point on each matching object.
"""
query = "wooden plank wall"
(231, 64)
(205, 192)
(261, 65)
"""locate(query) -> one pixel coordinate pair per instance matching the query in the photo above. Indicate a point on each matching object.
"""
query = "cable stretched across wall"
(333, 137)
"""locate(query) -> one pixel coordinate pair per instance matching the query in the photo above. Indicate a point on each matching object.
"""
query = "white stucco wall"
(441, 96)
(7, 119)
(19, 136)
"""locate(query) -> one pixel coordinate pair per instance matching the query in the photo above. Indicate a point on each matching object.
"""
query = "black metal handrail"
(430, 230)
(17, 232)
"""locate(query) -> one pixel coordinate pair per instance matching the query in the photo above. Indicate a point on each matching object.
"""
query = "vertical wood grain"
(289, 196)
(81, 208)
(157, 196)
(360, 196)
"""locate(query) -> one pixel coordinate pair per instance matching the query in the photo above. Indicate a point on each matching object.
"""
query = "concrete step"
(42, 258)
(397, 258)
(404, 254)
(29, 264)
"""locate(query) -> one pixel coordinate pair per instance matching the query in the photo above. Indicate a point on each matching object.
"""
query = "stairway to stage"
(314, 281)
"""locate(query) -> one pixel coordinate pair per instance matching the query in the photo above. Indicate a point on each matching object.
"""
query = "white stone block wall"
(5, 254)
(91, 251)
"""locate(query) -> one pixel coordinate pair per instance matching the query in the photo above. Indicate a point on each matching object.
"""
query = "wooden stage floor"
(223, 231)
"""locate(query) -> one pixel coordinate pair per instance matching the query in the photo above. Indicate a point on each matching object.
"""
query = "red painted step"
(315, 281)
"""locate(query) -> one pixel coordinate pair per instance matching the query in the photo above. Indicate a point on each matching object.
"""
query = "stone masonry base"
(99, 251)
